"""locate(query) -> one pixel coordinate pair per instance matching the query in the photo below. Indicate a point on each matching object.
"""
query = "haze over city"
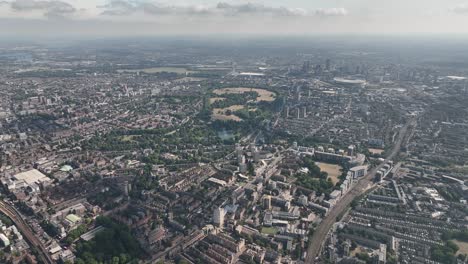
(44, 18)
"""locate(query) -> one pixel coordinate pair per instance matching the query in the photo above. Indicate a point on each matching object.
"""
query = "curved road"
(359, 188)
(24, 228)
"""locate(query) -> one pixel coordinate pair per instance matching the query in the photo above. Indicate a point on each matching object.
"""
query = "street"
(359, 188)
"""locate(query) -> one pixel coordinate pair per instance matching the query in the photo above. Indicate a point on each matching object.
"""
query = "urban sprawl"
(164, 153)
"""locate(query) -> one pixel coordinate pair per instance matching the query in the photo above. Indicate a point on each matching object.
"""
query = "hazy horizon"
(127, 18)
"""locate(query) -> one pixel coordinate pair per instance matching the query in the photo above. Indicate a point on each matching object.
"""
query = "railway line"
(27, 232)
(364, 184)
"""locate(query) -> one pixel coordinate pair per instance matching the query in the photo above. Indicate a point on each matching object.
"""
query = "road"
(359, 188)
(28, 234)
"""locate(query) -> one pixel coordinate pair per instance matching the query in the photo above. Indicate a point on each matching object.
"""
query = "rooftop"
(32, 176)
(73, 218)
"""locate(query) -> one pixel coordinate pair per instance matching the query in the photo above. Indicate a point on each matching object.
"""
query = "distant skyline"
(91, 18)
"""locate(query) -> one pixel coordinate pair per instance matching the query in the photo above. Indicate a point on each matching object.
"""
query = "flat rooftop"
(32, 176)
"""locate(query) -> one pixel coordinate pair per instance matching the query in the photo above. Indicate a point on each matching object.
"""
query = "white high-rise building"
(218, 217)
(238, 149)
(351, 150)
(256, 155)
(267, 202)
(240, 159)
(252, 147)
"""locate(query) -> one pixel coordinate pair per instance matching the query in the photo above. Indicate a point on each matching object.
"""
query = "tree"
(454, 247)
(79, 261)
(114, 245)
(363, 256)
(123, 258)
(444, 254)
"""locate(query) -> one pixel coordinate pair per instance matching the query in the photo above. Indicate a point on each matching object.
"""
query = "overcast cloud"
(125, 8)
(49, 9)
(148, 17)
(461, 9)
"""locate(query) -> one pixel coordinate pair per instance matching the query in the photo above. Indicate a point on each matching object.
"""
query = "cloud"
(332, 12)
(145, 9)
(251, 8)
(124, 8)
(118, 8)
(52, 8)
(460, 9)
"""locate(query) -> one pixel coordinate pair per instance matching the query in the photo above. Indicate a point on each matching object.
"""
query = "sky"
(75, 18)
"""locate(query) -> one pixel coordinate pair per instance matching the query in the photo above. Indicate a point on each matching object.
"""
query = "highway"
(28, 234)
(359, 188)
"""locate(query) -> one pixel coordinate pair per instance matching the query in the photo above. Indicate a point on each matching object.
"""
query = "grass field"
(462, 245)
(356, 251)
(376, 151)
(333, 170)
(264, 95)
(128, 138)
(220, 113)
(269, 230)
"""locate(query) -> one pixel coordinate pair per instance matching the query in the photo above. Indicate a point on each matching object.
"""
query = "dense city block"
(217, 152)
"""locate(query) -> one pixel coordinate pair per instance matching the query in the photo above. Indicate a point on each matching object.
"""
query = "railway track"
(322, 230)
(27, 232)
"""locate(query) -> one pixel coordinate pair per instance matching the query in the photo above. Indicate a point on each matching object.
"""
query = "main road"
(359, 188)
(24, 228)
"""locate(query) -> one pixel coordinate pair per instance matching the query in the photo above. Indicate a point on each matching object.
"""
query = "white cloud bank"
(126, 8)
(283, 17)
